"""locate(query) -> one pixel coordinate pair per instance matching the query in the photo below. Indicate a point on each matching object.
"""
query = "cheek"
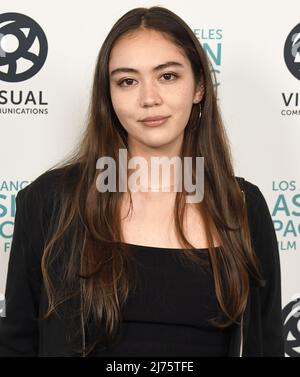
(182, 106)
(182, 97)
(124, 109)
(120, 104)
(115, 100)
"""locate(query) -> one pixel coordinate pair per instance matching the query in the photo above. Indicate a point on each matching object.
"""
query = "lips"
(155, 121)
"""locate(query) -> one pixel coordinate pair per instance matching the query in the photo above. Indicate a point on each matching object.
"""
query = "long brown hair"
(94, 254)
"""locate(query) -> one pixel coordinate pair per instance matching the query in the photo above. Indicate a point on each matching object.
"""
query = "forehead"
(148, 47)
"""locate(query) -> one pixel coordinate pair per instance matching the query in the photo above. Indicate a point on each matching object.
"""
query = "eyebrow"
(157, 68)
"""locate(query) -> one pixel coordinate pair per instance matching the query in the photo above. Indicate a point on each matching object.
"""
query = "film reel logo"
(291, 318)
(292, 51)
(20, 38)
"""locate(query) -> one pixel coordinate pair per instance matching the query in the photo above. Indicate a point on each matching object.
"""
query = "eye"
(125, 80)
(168, 75)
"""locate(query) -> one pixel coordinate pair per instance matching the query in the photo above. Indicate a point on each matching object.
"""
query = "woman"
(139, 273)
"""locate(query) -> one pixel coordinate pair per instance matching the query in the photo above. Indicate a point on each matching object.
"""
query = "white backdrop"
(247, 41)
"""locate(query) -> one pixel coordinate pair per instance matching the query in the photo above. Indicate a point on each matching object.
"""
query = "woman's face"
(141, 90)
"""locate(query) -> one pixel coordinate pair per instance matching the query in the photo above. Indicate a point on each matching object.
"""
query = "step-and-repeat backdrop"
(48, 52)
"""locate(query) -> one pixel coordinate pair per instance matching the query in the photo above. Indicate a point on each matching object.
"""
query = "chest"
(151, 222)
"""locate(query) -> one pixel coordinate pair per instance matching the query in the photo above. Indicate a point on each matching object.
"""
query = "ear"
(199, 92)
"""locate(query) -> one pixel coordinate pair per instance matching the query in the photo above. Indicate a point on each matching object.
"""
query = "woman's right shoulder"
(45, 189)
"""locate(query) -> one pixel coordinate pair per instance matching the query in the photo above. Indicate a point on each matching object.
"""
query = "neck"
(160, 159)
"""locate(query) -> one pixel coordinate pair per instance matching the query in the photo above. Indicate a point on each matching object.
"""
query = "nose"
(149, 95)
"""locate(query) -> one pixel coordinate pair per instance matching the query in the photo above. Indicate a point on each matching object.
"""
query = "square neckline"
(147, 247)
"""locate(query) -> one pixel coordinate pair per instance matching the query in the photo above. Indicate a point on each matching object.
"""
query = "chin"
(160, 144)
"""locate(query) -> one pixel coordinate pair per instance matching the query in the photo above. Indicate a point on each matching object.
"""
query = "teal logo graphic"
(286, 213)
(211, 40)
(8, 193)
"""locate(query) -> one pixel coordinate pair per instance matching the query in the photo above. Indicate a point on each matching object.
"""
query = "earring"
(200, 111)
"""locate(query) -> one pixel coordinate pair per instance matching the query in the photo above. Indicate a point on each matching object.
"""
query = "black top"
(22, 333)
(167, 315)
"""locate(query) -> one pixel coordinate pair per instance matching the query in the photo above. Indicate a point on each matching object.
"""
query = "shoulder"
(37, 201)
(259, 218)
(255, 199)
(47, 185)
(261, 226)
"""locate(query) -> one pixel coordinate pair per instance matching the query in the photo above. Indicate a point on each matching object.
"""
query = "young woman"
(145, 273)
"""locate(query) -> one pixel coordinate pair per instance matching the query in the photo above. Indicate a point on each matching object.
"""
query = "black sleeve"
(19, 328)
(270, 295)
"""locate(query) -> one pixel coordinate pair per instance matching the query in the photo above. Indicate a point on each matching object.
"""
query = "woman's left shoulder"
(254, 197)
(260, 221)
